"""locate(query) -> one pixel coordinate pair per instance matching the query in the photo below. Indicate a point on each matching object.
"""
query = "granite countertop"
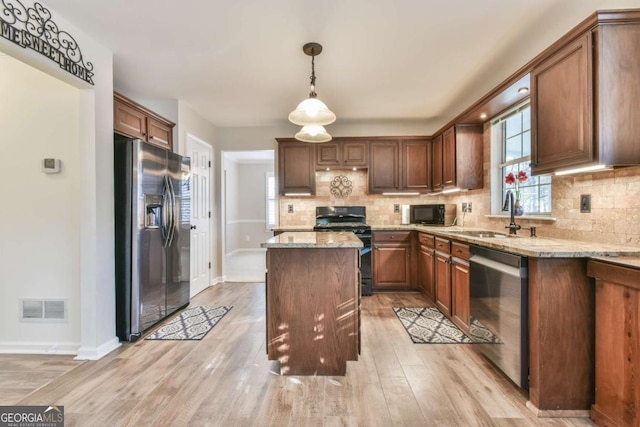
(624, 261)
(522, 244)
(285, 228)
(310, 239)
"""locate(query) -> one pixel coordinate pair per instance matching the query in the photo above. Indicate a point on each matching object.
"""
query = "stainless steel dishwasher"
(499, 310)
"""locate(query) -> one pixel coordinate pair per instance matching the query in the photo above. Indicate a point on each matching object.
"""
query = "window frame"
(270, 225)
(498, 141)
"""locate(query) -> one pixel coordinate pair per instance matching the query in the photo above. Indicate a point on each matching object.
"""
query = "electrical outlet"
(585, 203)
(468, 207)
(396, 208)
(289, 208)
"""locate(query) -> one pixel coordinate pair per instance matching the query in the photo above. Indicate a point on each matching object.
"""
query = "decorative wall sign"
(341, 187)
(33, 28)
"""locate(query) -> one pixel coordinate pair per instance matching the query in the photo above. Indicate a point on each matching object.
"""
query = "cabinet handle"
(459, 251)
(144, 134)
(151, 137)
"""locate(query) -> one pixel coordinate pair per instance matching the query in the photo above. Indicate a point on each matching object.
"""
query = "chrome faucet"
(508, 206)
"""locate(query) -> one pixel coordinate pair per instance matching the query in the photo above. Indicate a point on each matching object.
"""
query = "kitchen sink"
(479, 233)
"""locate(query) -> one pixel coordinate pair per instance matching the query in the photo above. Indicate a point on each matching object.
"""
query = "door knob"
(193, 227)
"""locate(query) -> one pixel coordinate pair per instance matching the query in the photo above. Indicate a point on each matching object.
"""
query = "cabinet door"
(160, 134)
(328, 155)
(436, 168)
(384, 168)
(128, 121)
(443, 282)
(426, 261)
(460, 293)
(391, 266)
(562, 109)
(355, 154)
(416, 166)
(296, 172)
(449, 158)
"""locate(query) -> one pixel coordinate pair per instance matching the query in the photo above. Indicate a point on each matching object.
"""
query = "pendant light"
(312, 113)
(313, 133)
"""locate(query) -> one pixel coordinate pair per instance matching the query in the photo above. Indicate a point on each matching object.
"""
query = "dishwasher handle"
(495, 265)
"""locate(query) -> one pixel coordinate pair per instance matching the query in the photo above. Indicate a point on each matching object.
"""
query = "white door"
(201, 212)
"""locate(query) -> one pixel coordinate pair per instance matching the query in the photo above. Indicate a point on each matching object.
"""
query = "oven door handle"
(365, 250)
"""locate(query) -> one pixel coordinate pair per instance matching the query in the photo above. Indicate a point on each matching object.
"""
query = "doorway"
(202, 250)
(249, 210)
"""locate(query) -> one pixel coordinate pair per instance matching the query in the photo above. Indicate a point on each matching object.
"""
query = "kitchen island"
(313, 301)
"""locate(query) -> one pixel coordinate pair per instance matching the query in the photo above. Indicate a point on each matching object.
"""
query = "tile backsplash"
(614, 216)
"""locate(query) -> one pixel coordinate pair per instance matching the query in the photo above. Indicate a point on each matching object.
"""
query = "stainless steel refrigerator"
(152, 226)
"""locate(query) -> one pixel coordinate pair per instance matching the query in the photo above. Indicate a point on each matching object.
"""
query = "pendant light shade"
(312, 113)
(313, 133)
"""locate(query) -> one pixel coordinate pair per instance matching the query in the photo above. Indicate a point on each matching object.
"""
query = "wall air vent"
(39, 310)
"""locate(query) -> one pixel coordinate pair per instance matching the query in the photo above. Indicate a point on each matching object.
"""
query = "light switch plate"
(585, 203)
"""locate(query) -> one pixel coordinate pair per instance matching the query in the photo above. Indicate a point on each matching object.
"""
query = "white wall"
(245, 226)
(94, 260)
(39, 237)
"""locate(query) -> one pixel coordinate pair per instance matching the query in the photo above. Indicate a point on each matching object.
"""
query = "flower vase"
(518, 210)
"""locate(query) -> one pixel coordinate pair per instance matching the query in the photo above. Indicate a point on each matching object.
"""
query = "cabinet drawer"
(426, 240)
(392, 236)
(460, 250)
(443, 245)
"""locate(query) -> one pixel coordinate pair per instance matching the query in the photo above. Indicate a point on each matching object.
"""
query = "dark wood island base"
(313, 303)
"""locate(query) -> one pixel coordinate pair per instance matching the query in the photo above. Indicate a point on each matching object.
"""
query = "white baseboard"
(246, 250)
(38, 348)
(216, 280)
(95, 353)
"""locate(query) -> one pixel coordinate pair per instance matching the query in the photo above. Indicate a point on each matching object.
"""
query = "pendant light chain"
(313, 94)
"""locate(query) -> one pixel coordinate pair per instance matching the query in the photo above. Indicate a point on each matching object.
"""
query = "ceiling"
(240, 63)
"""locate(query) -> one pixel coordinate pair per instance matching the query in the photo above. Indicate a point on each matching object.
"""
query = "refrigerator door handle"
(166, 212)
(174, 214)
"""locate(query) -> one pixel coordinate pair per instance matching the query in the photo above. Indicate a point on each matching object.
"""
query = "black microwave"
(437, 214)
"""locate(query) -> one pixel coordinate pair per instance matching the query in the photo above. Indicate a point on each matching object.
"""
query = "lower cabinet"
(617, 341)
(460, 310)
(392, 259)
(443, 275)
(426, 264)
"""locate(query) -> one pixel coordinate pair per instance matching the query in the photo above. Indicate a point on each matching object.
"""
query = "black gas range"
(354, 219)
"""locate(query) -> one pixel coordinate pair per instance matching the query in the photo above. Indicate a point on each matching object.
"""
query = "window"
(512, 136)
(271, 200)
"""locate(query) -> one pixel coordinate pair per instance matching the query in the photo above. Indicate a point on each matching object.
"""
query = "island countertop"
(311, 239)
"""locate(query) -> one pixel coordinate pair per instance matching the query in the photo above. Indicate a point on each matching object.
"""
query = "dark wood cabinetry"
(342, 154)
(461, 158)
(392, 259)
(296, 174)
(582, 96)
(134, 120)
(617, 344)
(384, 166)
(460, 286)
(562, 108)
(426, 264)
(416, 166)
(437, 182)
(443, 275)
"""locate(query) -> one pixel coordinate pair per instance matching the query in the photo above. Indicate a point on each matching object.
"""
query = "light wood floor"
(226, 380)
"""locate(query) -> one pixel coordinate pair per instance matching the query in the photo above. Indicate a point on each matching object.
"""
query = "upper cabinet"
(584, 96)
(342, 154)
(416, 165)
(134, 120)
(457, 158)
(384, 166)
(296, 174)
(400, 165)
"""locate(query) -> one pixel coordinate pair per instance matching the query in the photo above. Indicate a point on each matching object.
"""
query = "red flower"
(522, 176)
(511, 179)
